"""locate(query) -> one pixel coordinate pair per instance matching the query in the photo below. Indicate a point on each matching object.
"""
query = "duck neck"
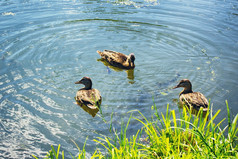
(88, 86)
(131, 64)
(186, 90)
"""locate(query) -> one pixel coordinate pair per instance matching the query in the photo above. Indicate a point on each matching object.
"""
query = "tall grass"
(169, 136)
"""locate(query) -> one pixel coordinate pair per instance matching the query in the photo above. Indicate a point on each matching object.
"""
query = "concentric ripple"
(45, 46)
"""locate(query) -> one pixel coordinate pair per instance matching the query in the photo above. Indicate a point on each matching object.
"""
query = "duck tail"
(99, 52)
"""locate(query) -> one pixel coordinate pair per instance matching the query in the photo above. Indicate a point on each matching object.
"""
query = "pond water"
(45, 46)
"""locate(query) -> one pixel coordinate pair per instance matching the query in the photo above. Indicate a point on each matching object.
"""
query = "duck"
(87, 97)
(129, 72)
(118, 59)
(192, 99)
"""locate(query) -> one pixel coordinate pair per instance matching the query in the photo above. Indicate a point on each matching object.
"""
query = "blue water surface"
(45, 46)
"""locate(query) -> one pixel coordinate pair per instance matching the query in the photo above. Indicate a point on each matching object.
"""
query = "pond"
(46, 46)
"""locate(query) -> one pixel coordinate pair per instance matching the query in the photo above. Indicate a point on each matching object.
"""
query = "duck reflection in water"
(193, 100)
(87, 97)
(118, 62)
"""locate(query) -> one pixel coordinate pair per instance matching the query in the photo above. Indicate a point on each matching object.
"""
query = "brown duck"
(118, 59)
(187, 97)
(88, 98)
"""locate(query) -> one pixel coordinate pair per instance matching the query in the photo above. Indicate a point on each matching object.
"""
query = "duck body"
(189, 98)
(118, 59)
(195, 99)
(88, 98)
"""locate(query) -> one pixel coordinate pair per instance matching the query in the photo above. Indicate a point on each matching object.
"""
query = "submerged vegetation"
(167, 136)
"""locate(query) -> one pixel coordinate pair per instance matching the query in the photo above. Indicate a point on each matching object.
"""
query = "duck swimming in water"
(187, 97)
(118, 59)
(88, 98)
(129, 72)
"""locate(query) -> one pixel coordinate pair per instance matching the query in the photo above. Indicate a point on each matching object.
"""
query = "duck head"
(132, 57)
(86, 81)
(186, 84)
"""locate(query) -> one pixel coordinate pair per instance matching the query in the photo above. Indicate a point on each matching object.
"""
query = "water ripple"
(46, 46)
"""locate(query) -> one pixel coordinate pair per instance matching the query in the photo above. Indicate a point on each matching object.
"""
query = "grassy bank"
(167, 136)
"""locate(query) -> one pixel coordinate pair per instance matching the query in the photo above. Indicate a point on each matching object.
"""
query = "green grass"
(168, 136)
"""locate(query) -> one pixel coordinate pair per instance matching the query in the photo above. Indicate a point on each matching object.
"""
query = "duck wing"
(113, 57)
(90, 98)
(195, 99)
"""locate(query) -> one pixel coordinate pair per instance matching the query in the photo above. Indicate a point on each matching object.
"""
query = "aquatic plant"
(168, 136)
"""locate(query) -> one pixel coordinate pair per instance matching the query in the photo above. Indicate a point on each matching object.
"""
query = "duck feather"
(90, 98)
(117, 59)
(195, 99)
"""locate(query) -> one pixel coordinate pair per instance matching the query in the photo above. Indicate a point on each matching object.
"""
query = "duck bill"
(78, 82)
(176, 87)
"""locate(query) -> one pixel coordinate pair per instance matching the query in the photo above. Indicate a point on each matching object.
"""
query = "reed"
(169, 136)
